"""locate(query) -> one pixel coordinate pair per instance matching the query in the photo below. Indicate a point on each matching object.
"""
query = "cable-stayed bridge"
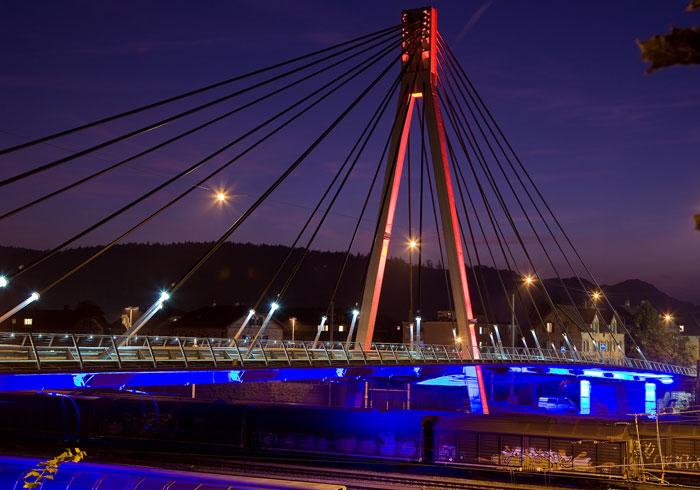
(440, 144)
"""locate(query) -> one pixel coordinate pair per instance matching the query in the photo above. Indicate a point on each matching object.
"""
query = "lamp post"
(412, 245)
(528, 280)
(294, 321)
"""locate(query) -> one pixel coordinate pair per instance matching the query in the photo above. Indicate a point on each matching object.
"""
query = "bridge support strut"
(420, 81)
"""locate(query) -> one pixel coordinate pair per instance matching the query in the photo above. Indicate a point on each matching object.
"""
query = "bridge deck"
(37, 352)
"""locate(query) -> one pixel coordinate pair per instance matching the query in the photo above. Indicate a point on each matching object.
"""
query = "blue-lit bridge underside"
(64, 361)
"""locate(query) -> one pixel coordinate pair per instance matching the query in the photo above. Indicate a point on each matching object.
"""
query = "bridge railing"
(84, 352)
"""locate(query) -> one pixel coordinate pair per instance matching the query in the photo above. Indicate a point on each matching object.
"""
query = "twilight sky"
(615, 151)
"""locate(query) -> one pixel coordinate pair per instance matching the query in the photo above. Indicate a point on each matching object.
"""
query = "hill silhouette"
(133, 273)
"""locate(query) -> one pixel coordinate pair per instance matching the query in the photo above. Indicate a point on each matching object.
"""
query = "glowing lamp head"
(529, 280)
(418, 319)
(3, 282)
(413, 244)
(668, 318)
(274, 306)
(596, 295)
(355, 312)
(34, 296)
(251, 312)
(164, 296)
(458, 340)
(324, 318)
(221, 196)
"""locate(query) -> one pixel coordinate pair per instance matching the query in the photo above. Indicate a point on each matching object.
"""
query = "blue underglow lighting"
(585, 390)
(79, 380)
(235, 376)
(598, 373)
(650, 398)
(340, 372)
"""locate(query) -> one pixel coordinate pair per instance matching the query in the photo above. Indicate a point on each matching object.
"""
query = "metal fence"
(58, 352)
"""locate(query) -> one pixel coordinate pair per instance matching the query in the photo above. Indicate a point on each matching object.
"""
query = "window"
(481, 330)
(27, 321)
(14, 321)
(549, 327)
(596, 324)
(613, 326)
(585, 346)
(325, 328)
(681, 328)
(341, 328)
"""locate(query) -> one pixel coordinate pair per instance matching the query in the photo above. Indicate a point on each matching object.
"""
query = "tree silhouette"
(679, 47)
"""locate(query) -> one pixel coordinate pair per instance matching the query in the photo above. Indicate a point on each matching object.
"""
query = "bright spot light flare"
(529, 280)
(3, 282)
(221, 196)
(31, 299)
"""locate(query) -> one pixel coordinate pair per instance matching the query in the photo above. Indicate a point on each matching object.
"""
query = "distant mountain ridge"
(132, 274)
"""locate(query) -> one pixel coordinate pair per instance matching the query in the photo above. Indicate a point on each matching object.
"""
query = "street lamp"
(221, 196)
(412, 245)
(4, 282)
(528, 280)
(596, 296)
(668, 317)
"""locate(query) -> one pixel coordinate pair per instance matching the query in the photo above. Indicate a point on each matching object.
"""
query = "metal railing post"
(116, 351)
(238, 351)
(35, 351)
(286, 354)
(77, 351)
(391, 348)
(308, 356)
(211, 351)
(381, 361)
(323, 344)
(150, 349)
(362, 351)
(182, 351)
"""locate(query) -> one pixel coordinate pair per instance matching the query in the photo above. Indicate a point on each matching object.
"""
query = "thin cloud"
(473, 20)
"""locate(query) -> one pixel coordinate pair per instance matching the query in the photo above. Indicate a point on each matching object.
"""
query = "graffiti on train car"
(681, 454)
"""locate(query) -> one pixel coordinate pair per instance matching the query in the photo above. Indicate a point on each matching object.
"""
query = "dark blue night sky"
(615, 150)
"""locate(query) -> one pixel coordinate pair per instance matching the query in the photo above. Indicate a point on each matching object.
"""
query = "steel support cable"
(180, 196)
(504, 208)
(342, 269)
(190, 93)
(184, 134)
(377, 117)
(582, 325)
(448, 287)
(502, 243)
(409, 199)
(234, 226)
(482, 299)
(402, 113)
(420, 211)
(471, 137)
(474, 95)
(463, 188)
(159, 123)
(359, 219)
(330, 186)
(520, 205)
(461, 180)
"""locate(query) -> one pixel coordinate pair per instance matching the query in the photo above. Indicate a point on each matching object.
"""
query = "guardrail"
(60, 352)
